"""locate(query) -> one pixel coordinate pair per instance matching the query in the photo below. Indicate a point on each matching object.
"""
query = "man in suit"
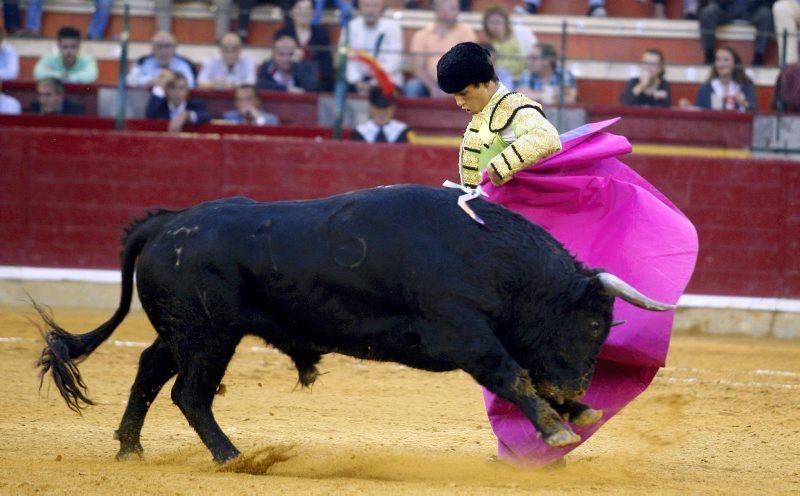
(50, 99)
(170, 100)
(282, 72)
(248, 109)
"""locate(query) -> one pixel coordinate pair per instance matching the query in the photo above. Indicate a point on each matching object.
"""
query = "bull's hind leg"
(306, 363)
(156, 367)
(201, 364)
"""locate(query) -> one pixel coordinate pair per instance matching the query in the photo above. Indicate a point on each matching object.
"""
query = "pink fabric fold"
(609, 217)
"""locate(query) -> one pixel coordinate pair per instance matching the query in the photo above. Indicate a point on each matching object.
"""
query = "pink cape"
(609, 217)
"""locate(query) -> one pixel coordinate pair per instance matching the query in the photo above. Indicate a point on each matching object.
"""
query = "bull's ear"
(583, 286)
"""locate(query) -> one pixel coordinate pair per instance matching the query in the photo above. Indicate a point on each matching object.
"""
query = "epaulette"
(507, 108)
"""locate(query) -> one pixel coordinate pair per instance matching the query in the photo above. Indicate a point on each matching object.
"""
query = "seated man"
(8, 104)
(283, 73)
(9, 60)
(68, 65)
(170, 100)
(542, 80)
(430, 42)
(231, 68)
(50, 99)
(147, 69)
(248, 109)
(379, 36)
(381, 126)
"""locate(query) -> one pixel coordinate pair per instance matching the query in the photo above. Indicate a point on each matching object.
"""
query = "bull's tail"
(64, 350)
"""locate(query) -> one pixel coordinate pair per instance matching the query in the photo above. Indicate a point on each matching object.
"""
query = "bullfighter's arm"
(535, 138)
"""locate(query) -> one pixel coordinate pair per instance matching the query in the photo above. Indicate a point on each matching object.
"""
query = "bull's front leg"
(577, 413)
(548, 421)
(485, 359)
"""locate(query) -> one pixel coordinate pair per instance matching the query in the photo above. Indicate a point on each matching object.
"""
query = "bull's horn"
(617, 287)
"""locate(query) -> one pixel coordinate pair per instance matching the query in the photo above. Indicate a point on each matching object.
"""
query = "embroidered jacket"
(509, 134)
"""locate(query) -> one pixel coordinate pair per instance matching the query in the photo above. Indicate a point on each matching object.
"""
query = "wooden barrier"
(66, 193)
(441, 117)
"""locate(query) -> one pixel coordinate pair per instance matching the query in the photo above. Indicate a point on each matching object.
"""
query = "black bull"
(393, 274)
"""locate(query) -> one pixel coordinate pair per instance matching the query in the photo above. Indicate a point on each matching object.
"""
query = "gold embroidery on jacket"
(507, 107)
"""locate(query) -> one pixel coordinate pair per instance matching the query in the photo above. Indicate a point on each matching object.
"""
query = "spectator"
(379, 36)
(542, 80)
(715, 13)
(381, 126)
(511, 44)
(8, 104)
(50, 99)
(728, 87)
(787, 18)
(283, 72)
(313, 41)
(231, 68)
(147, 69)
(430, 43)
(650, 88)
(170, 100)
(69, 65)
(222, 16)
(9, 60)
(248, 109)
(597, 8)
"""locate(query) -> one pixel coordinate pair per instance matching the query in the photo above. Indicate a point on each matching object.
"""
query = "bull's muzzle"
(560, 394)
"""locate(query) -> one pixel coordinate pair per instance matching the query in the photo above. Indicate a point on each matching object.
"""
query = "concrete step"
(620, 39)
(107, 53)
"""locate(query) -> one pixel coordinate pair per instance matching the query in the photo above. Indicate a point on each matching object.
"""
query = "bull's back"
(371, 252)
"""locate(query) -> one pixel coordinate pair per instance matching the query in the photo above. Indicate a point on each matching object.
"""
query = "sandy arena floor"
(722, 418)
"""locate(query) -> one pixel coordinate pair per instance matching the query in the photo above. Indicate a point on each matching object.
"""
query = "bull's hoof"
(587, 417)
(308, 376)
(562, 438)
(226, 456)
(132, 453)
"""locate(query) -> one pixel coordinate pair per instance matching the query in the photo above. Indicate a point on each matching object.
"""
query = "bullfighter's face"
(474, 97)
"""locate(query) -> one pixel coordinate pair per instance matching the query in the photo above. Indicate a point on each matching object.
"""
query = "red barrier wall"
(64, 194)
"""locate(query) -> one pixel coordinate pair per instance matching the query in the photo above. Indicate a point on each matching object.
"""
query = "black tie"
(380, 137)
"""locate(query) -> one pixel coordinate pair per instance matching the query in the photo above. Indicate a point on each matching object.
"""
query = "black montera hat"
(464, 64)
(378, 99)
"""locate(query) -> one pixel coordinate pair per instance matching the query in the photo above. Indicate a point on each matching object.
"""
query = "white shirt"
(9, 105)
(390, 51)
(392, 130)
(9, 62)
(145, 71)
(243, 72)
